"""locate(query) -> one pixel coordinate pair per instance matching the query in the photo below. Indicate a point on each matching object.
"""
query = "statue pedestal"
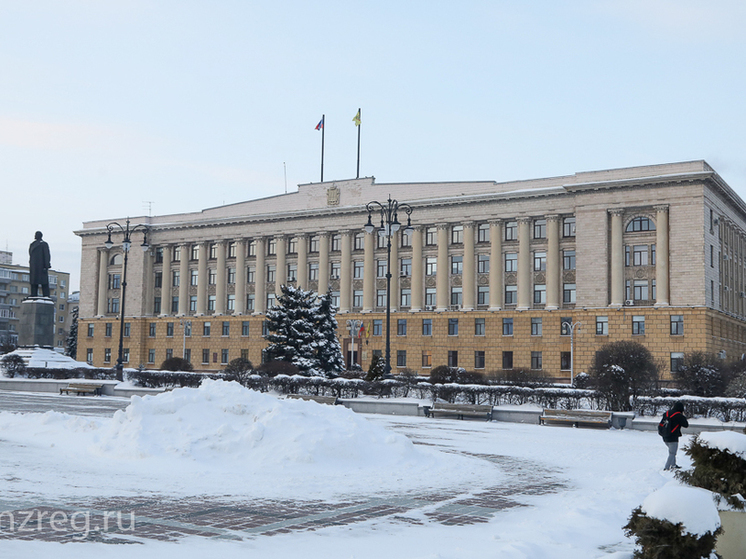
(36, 322)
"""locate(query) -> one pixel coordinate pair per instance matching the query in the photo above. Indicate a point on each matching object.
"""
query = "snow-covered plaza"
(232, 473)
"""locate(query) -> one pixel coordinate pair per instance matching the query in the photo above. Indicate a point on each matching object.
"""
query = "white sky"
(188, 104)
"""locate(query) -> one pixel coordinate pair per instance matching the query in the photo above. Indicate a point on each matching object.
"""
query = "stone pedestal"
(36, 322)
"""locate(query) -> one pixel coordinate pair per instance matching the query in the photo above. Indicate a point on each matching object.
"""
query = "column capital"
(442, 226)
(552, 217)
(616, 211)
(468, 224)
(498, 221)
(524, 219)
(661, 208)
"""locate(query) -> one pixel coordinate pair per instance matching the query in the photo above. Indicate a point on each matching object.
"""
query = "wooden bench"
(460, 411)
(577, 417)
(330, 400)
(83, 388)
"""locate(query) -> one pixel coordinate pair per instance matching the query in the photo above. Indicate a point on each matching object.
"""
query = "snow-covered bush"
(581, 380)
(622, 371)
(175, 364)
(737, 387)
(13, 365)
(675, 522)
(719, 460)
(724, 409)
(702, 374)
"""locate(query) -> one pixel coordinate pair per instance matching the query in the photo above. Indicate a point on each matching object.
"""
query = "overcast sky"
(108, 104)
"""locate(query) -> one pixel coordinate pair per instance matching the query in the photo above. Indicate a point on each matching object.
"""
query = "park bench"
(331, 400)
(82, 388)
(577, 418)
(460, 411)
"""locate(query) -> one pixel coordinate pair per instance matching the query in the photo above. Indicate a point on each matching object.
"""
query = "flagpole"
(323, 127)
(358, 144)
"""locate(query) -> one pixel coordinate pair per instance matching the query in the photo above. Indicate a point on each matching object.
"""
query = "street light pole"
(389, 225)
(572, 349)
(126, 244)
(186, 325)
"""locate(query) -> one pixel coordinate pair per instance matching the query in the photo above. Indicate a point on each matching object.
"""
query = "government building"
(535, 274)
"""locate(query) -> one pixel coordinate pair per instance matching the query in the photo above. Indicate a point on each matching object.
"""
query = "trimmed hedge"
(724, 409)
(61, 374)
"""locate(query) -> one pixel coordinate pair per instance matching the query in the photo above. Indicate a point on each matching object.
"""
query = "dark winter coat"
(676, 421)
(39, 262)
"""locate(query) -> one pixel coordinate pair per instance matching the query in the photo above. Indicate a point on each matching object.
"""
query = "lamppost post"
(572, 327)
(126, 244)
(389, 225)
(186, 325)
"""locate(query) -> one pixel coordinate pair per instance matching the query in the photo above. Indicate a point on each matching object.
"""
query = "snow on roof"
(691, 506)
(730, 441)
(45, 358)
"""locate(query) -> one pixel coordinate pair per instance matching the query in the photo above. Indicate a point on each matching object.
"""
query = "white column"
(184, 280)
(345, 279)
(167, 281)
(496, 265)
(469, 276)
(617, 257)
(260, 293)
(221, 279)
(369, 271)
(240, 277)
(281, 272)
(661, 257)
(442, 291)
(202, 278)
(417, 269)
(524, 263)
(103, 281)
(303, 261)
(553, 262)
(323, 263)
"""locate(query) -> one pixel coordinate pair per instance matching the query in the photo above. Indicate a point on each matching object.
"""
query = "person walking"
(670, 429)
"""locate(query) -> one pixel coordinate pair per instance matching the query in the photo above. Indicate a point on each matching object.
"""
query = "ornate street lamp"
(572, 328)
(389, 225)
(126, 244)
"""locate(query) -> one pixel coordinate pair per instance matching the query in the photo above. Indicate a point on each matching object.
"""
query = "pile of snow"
(224, 438)
(45, 358)
(691, 506)
(730, 441)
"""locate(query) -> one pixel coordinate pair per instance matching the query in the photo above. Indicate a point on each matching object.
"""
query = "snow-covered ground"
(224, 441)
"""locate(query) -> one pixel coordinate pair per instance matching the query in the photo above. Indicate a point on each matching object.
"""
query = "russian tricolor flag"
(320, 125)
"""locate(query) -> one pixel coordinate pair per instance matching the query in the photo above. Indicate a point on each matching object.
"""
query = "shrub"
(702, 374)
(716, 470)
(623, 370)
(175, 364)
(737, 387)
(13, 365)
(444, 375)
(274, 368)
(582, 381)
(377, 368)
(238, 365)
(661, 539)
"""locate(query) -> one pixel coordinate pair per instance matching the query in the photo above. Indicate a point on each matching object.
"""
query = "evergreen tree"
(292, 327)
(72, 337)
(328, 348)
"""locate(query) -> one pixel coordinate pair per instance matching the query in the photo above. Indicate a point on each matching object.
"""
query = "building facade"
(14, 287)
(494, 276)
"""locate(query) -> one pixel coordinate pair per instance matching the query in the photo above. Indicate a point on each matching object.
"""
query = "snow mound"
(691, 506)
(733, 442)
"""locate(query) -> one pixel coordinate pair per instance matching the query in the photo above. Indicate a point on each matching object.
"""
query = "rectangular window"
(107, 329)
(401, 358)
(536, 327)
(381, 241)
(357, 269)
(231, 303)
(213, 251)
(507, 326)
(406, 298)
(638, 325)
(245, 328)
(452, 358)
(250, 302)
(292, 245)
(271, 273)
(677, 361)
(271, 246)
(176, 278)
(511, 230)
(158, 281)
(205, 356)
(405, 267)
(250, 274)
(176, 254)
(427, 359)
(381, 298)
(378, 327)
(224, 356)
(194, 255)
(206, 326)
(511, 294)
(677, 325)
(483, 233)
(565, 361)
(565, 325)
(159, 255)
(536, 360)
(114, 305)
(292, 273)
(336, 270)
(406, 240)
(169, 329)
(314, 243)
(456, 296)
(175, 304)
(640, 290)
(540, 229)
(245, 354)
(89, 355)
(232, 249)
(540, 261)
(126, 355)
(430, 297)
(483, 263)
(568, 293)
(359, 241)
(151, 330)
(602, 326)
(126, 329)
(431, 266)
(115, 281)
(427, 326)
(265, 328)
(507, 359)
(151, 355)
(483, 295)
(193, 277)
(457, 265)
(431, 236)
(479, 359)
(457, 234)
(640, 255)
(231, 276)
(336, 243)
(453, 326)
(313, 271)
(568, 259)
(401, 327)
(169, 353)
(107, 355)
(188, 355)
(479, 327)
(568, 227)
(381, 266)
(540, 294)
(357, 298)
(271, 300)
(211, 302)
(511, 261)
(226, 328)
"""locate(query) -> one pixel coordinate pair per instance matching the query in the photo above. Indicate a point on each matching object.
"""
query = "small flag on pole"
(320, 125)
(356, 120)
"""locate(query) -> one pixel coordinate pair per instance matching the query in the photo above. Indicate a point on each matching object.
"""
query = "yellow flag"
(356, 120)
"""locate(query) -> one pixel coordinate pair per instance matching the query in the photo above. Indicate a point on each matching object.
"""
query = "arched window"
(116, 260)
(640, 224)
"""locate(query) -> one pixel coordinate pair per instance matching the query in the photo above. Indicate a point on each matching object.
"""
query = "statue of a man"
(39, 264)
